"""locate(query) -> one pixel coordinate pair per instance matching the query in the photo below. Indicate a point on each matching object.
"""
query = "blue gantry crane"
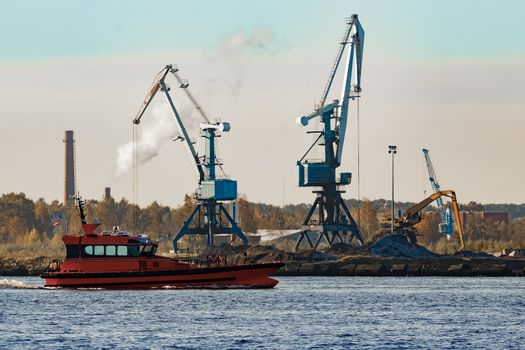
(210, 216)
(333, 217)
(447, 224)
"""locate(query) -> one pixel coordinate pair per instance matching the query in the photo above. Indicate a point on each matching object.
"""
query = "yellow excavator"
(404, 224)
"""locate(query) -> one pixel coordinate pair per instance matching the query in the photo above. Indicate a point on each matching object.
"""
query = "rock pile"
(398, 246)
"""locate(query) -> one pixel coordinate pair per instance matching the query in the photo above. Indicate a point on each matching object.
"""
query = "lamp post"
(392, 150)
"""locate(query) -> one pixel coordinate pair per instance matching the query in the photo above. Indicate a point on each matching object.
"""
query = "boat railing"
(54, 266)
(216, 260)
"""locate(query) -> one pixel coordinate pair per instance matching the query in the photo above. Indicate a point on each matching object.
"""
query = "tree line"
(30, 227)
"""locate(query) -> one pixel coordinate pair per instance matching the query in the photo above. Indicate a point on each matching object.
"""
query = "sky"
(443, 75)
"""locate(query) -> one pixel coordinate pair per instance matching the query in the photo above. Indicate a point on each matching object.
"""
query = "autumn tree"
(428, 228)
(366, 217)
(42, 216)
(247, 215)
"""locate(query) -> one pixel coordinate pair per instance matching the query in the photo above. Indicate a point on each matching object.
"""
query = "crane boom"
(360, 36)
(184, 85)
(432, 176)
(357, 51)
(160, 84)
(354, 37)
(151, 94)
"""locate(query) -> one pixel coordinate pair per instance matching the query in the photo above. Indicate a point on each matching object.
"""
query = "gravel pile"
(398, 246)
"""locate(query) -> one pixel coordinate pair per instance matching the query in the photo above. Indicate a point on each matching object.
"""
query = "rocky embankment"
(24, 266)
(383, 266)
(390, 256)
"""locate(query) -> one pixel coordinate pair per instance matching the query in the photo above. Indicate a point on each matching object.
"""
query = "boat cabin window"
(72, 251)
(122, 250)
(134, 250)
(146, 250)
(112, 250)
(99, 250)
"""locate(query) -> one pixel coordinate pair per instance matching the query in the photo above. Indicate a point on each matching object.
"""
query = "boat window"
(88, 249)
(111, 250)
(72, 251)
(146, 250)
(122, 250)
(134, 250)
(153, 249)
(99, 250)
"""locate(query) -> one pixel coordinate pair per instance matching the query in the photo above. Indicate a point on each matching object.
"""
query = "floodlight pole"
(392, 150)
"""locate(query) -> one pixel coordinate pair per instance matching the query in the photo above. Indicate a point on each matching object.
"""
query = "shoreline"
(344, 266)
(393, 267)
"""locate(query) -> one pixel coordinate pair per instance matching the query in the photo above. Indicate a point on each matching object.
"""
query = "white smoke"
(229, 56)
(159, 128)
(235, 43)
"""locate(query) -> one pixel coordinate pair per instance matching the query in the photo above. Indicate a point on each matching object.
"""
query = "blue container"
(315, 174)
(221, 190)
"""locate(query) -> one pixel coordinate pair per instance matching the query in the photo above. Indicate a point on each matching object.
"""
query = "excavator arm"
(412, 215)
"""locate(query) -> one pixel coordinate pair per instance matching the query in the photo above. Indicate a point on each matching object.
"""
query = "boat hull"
(242, 276)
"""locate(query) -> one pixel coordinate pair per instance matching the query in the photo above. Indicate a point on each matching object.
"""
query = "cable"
(135, 174)
(358, 168)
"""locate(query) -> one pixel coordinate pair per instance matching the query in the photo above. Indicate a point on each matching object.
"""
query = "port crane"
(447, 225)
(405, 223)
(334, 220)
(210, 216)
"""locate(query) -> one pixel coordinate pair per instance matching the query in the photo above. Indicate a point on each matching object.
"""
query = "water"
(300, 313)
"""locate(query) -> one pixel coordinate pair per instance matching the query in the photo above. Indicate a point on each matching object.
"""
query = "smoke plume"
(229, 56)
(152, 135)
(159, 126)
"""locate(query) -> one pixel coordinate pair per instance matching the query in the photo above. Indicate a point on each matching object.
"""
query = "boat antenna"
(80, 205)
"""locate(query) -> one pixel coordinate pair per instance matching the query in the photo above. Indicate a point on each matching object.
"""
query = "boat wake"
(15, 284)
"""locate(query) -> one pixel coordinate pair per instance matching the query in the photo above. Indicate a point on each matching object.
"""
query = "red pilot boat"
(122, 261)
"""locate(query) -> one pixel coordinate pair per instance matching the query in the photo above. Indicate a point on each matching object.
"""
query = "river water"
(300, 313)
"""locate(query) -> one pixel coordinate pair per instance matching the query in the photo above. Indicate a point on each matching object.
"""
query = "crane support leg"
(334, 221)
(355, 231)
(235, 228)
(211, 226)
(304, 233)
(184, 228)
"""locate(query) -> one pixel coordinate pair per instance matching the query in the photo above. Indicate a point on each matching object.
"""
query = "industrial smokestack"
(69, 178)
(107, 193)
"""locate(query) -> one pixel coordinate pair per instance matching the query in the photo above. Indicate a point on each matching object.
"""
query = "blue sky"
(445, 75)
(445, 29)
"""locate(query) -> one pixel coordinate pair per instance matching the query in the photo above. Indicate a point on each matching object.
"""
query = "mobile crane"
(210, 216)
(404, 224)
